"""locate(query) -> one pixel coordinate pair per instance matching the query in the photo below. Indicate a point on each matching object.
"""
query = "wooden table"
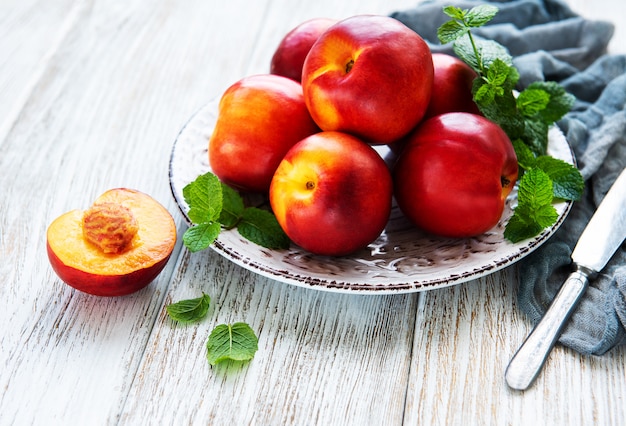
(93, 96)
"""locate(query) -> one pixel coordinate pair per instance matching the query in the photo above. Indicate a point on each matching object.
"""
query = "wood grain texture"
(94, 94)
(314, 347)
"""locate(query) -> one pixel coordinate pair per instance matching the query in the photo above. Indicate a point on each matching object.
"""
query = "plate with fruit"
(402, 259)
(373, 193)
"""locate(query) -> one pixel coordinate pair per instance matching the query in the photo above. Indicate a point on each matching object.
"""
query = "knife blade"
(602, 236)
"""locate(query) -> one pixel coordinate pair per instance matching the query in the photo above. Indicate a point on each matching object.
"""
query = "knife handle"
(530, 357)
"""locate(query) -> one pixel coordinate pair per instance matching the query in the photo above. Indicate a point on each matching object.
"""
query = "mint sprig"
(214, 205)
(526, 118)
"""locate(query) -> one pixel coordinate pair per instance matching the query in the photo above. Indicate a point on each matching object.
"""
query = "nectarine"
(116, 247)
(259, 118)
(332, 193)
(454, 175)
(289, 56)
(370, 76)
(452, 86)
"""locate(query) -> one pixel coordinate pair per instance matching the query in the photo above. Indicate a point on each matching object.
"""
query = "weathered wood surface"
(94, 94)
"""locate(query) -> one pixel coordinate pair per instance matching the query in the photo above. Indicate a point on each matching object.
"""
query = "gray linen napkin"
(550, 42)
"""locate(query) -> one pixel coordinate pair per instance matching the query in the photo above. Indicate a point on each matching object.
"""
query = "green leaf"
(200, 237)
(502, 111)
(231, 342)
(189, 310)
(536, 135)
(535, 189)
(450, 31)
(542, 215)
(498, 73)
(261, 227)
(532, 101)
(525, 157)
(480, 15)
(495, 83)
(486, 93)
(232, 207)
(518, 230)
(455, 12)
(204, 198)
(488, 50)
(534, 211)
(568, 183)
(560, 102)
(464, 49)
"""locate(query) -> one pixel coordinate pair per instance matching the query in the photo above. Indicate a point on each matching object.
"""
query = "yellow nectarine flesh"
(116, 247)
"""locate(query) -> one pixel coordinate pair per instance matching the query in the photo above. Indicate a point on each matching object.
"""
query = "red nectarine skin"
(289, 56)
(452, 86)
(453, 176)
(260, 117)
(87, 267)
(370, 76)
(332, 193)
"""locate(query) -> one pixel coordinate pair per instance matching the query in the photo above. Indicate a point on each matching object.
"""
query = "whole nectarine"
(289, 56)
(370, 76)
(116, 247)
(452, 86)
(454, 174)
(259, 118)
(332, 193)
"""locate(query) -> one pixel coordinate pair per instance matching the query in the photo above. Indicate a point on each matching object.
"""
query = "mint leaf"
(525, 157)
(204, 198)
(534, 211)
(450, 31)
(519, 229)
(494, 83)
(535, 135)
(463, 19)
(189, 310)
(201, 236)
(568, 184)
(502, 111)
(455, 12)
(261, 227)
(560, 102)
(232, 207)
(532, 101)
(231, 342)
(535, 189)
(480, 15)
(480, 53)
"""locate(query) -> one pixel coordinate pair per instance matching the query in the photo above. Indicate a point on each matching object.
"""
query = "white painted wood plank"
(104, 113)
(30, 32)
(471, 331)
(323, 358)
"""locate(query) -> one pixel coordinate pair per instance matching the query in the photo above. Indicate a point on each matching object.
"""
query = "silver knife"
(603, 235)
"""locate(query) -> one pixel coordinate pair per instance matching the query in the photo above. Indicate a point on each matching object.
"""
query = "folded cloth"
(549, 42)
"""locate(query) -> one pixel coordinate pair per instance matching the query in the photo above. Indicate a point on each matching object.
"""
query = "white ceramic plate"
(401, 260)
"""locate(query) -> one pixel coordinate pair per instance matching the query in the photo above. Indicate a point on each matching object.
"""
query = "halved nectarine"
(116, 247)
